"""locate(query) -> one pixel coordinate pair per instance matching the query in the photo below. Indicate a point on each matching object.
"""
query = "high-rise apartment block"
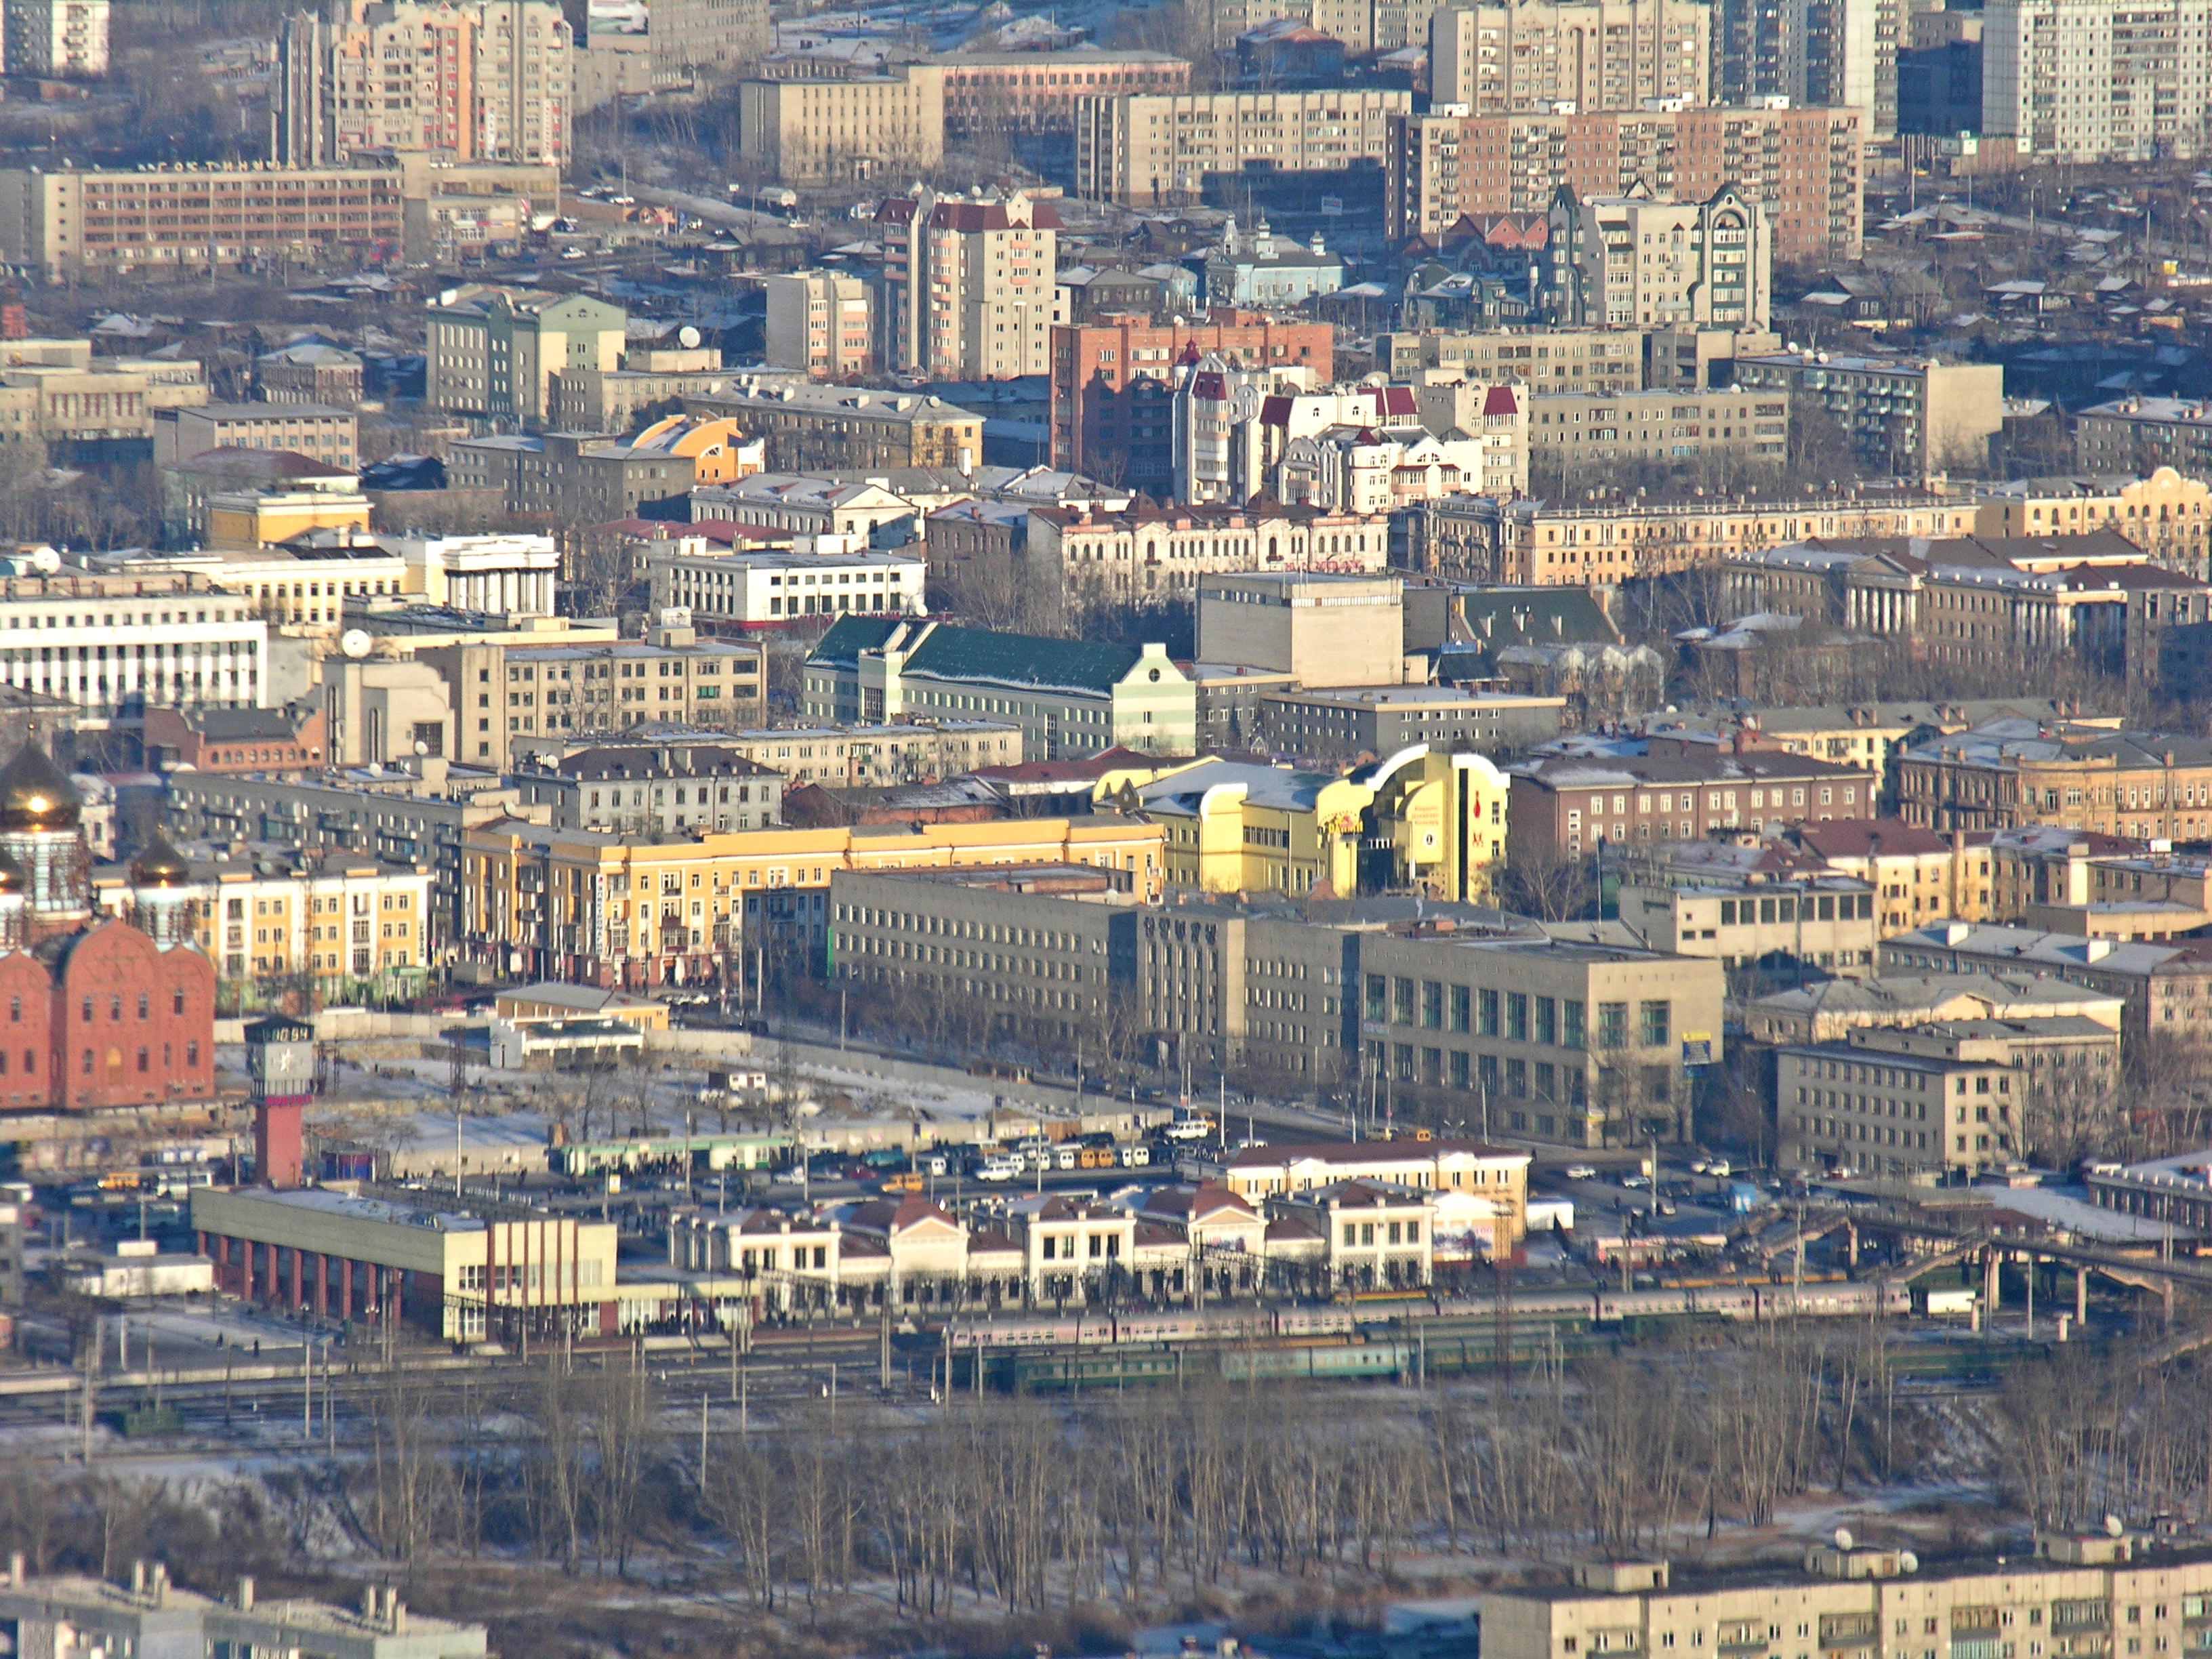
(485, 81)
(1145, 151)
(969, 290)
(821, 321)
(1841, 53)
(2091, 81)
(1496, 59)
(56, 39)
(808, 131)
(1805, 167)
(495, 353)
(1635, 261)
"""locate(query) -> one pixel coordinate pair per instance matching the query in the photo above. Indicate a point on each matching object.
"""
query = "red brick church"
(93, 1013)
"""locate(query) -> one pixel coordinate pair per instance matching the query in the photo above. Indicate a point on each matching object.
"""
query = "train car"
(1016, 1333)
(1313, 1321)
(1335, 1362)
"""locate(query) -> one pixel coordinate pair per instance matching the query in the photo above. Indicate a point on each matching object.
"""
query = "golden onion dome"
(35, 795)
(160, 865)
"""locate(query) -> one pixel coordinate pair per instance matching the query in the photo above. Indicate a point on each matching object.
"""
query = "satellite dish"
(2114, 1528)
(420, 748)
(46, 560)
(1843, 1538)
(687, 338)
(355, 641)
(1907, 1561)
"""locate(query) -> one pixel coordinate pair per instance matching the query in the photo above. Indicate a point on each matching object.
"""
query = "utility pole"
(702, 1440)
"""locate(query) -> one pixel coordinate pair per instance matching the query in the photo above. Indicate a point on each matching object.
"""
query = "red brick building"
(1113, 385)
(1805, 168)
(93, 1015)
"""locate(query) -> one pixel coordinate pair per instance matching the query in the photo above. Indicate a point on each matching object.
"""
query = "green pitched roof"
(975, 654)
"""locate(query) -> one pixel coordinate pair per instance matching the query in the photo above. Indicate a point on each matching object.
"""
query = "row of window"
(1517, 1016)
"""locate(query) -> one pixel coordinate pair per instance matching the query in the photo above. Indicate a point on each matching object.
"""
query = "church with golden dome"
(95, 1012)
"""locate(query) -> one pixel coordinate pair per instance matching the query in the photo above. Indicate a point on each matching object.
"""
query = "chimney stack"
(137, 1577)
(246, 1595)
(15, 1568)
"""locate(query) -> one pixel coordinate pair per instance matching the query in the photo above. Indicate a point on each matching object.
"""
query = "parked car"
(1579, 1172)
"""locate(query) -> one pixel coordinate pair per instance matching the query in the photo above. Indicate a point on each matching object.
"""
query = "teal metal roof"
(975, 654)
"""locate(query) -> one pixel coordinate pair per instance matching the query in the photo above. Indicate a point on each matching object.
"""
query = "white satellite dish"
(1843, 1538)
(355, 641)
(687, 338)
(2114, 1528)
(1907, 1561)
(46, 560)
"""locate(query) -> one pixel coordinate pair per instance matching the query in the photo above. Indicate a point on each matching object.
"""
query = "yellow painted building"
(604, 909)
(2168, 516)
(1421, 819)
(250, 519)
(343, 922)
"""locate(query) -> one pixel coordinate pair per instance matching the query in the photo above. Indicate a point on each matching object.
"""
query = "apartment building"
(1114, 386)
(685, 34)
(1579, 428)
(1499, 59)
(1544, 544)
(572, 479)
(1153, 150)
(494, 353)
(969, 284)
(612, 400)
(2167, 515)
(831, 512)
(2089, 81)
(598, 909)
(1907, 416)
(819, 428)
(655, 790)
(1636, 261)
(842, 756)
(1805, 167)
(1572, 1044)
(819, 131)
(1824, 52)
(1038, 91)
(1071, 698)
(1146, 553)
(821, 321)
(318, 431)
(1567, 807)
(772, 590)
(502, 692)
(353, 926)
(1321, 629)
(2077, 1589)
(2164, 987)
(480, 81)
(2140, 785)
(1587, 360)
(77, 222)
(56, 39)
(2139, 435)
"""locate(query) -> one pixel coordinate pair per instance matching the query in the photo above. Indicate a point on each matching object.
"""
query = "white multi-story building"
(2092, 81)
(1150, 148)
(826, 576)
(106, 649)
(1636, 262)
(57, 39)
(821, 321)
(970, 285)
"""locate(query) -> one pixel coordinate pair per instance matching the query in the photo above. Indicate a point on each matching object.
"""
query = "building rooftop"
(973, 653)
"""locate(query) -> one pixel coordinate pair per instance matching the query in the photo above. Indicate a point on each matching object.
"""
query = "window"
(1612, 1025)
(142, 1004)
(1547, 1021)
(1487, 1007)
(1516, 1016)
(176, 1002)
(1401, 1001)
(1571, 1023)
(1462, 1007)
(1378, 999)
(1658, 1024)
(1432, 1004)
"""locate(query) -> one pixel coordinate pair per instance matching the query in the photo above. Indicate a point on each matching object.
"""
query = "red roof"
(990, 216)
(1858, 837)
(1500, 401)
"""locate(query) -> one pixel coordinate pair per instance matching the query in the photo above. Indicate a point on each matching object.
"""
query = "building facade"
(821, 321)
(968, 284)
(1634, 261)
(818, 130)
(1150, 150)
(1493, 59)
(495, 354)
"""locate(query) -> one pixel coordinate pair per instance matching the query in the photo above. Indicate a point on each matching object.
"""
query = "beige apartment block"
(490, 80)
(2166, 514)
(969, 284)
(1910, 416)
(494, 353)
(2075, 1592)
(57, 39)
(1325, 630)
(821, 321)
(1585, 359)
(685, 34)
(1639, 426)
(813, 131)
(1145, 151)
(2095, 80)
(1634, 261)
(1495, 60)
